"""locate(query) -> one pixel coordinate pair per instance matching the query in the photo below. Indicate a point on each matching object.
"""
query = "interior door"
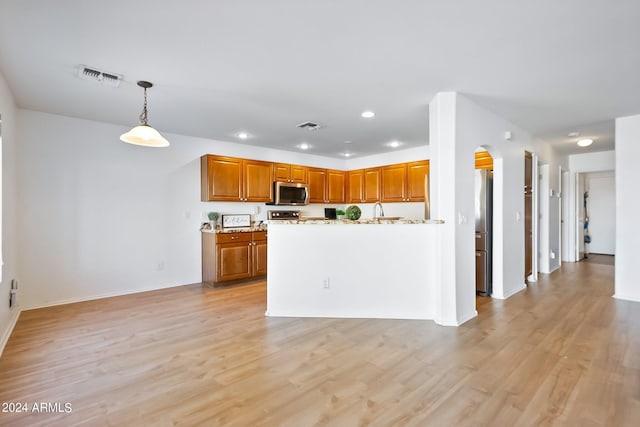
(528, 210)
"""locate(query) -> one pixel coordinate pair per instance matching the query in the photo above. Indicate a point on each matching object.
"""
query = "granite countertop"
(235, 230)
(361, 221)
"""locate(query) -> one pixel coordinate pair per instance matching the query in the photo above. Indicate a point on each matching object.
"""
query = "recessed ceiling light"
(573, 134)
(346, 154)
(394, 144)
(242, 135)
(304, 146)
(585, 142)
(368, 114)
(348, 142)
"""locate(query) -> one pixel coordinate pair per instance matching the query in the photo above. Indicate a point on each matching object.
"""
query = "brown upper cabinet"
(417, 180)
(326, 185)
(404, 182)
(484, 160)
(284, 172)
(364, 185)
(394, 183)
(231, 179)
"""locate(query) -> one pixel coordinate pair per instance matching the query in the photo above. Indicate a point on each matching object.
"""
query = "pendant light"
(144, 134)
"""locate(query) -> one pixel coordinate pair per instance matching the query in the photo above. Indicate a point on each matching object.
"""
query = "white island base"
(386, 270)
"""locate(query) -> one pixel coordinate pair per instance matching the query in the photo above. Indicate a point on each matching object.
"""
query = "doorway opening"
(483, 202)
(528, 217)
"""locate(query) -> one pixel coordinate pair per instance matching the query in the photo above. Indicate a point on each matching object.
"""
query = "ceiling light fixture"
(144, 134)
(348, 142)
(243, 135)
(394, 144)
(368, 114)
(346, 154)
(304, 146)
(585, 142)
(573, 134)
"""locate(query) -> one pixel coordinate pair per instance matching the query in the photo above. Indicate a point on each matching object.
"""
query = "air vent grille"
(93, 74)
(308, 125)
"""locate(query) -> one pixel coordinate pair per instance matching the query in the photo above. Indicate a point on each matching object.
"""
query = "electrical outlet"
(160, 266)
(326, 283)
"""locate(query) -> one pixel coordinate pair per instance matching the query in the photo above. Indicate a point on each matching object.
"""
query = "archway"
(489, 235)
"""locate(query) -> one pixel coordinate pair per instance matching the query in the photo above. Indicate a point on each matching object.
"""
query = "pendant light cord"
(143, 115)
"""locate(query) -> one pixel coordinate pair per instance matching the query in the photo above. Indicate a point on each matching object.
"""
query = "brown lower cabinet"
(230, 257)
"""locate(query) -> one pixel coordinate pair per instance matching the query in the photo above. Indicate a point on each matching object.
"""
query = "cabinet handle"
(234, 237)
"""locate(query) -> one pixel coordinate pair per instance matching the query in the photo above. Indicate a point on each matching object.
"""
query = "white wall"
(390, 158)
(100, 217)
(544, 208)
(592, 162)
(8, 216)
(627, 285)
(601, 208)
(457, 127)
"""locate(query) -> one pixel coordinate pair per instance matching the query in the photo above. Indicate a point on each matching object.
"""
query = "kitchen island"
(361, 269)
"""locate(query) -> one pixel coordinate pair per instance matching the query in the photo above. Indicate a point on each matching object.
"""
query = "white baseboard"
(457, 321)
(7, 333)
(100, 296)
(626, 298)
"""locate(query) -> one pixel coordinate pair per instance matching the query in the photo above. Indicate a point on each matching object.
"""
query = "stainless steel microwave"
(290, 194)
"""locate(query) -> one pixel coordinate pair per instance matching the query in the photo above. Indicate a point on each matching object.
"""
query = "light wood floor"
(563, 352)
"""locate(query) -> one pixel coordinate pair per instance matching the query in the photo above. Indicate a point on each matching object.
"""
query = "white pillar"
(451, 187)
(627, 152)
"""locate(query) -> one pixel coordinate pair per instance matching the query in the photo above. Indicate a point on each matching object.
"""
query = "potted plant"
(339, 214)
(353, 212)
(213, 219)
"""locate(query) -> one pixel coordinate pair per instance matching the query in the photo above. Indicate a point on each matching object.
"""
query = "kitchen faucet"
(375, 210)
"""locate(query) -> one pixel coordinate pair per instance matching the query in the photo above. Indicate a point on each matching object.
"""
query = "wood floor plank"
(562, 352)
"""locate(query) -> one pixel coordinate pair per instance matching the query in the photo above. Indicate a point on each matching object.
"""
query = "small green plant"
(213, 216)
(339, 212)
(353, 212)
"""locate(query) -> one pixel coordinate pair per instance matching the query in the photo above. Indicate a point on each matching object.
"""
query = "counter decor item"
(339, 214)
(234, 221)
(353, 212)
(213, 219)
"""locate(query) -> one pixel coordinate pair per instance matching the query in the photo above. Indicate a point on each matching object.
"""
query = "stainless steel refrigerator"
(484, 219)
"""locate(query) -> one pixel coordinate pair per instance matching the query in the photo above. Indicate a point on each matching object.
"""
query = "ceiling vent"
(93, 74)
(308, 126)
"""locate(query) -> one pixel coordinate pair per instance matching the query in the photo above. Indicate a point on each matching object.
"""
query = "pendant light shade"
(144, 134)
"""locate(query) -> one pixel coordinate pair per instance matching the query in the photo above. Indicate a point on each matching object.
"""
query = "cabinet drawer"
(233, 237)
(259, 236)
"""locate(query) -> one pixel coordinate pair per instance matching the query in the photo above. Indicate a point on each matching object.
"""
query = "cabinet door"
(298, 174)
(372, 185)
(234, 261)
(260, 258)
(417, 173)
(317, 183)
(258, 184)
(336, 187)
(281, 172)
(394, 183)
(355, 183)
(221, 178)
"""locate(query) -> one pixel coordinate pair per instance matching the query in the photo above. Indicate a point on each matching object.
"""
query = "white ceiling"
(220, 67)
